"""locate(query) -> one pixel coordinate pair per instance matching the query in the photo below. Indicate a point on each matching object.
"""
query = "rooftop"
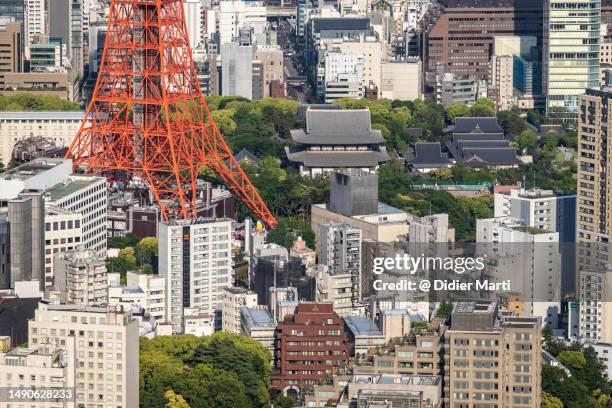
(475, 307)
(333, 126)
(348, 158)
(340, 23)
(43, 115)
(72, 185)
(477, 125)
(361, 326)
(32, 168)
(257, 318)
(425, 380)
(428, 153)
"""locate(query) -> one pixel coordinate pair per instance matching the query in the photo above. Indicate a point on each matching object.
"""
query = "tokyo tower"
(148, 119)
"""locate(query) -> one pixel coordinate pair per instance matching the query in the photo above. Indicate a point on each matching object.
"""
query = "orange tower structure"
(148, 119)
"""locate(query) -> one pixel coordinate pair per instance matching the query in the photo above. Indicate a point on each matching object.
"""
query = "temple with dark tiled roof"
(481, 142)
(428, 157)
(335, 140)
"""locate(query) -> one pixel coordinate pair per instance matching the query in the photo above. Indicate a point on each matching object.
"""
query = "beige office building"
(232, 301)
(39, 367)
(106, 342)
(271, 58)
(492, 359)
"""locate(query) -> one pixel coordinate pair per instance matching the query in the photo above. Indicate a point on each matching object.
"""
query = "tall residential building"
(34, 24)
(309, 345)
(501, 81)
(335, 287)
(492, 358)
(593, 216)
(106, 341)
(570, 51)
(80, 277)
(340, 250)
(193, 20)
(234, 15)
(595, 288)
(233, 300)
(63, 232)
(271, 58)
(195, 258)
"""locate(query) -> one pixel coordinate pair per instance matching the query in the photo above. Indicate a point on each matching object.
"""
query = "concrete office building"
(340, 250)
(195, 259)
(462, 33)
(106, 349)
(539, 286)
(354, 201)
(259, 325)
(26, 220)
(271, 58)
(10, 50)
(80, 277)
(343, 77)
(593, 216)
(492, 358)
(362, 335)
(234, 15)
(401, 80)
(61, 127)
(63, 232)
(66, 22)
(233, 300)
(41, 367)
(237, 70)
(571, 52)
(13, 9)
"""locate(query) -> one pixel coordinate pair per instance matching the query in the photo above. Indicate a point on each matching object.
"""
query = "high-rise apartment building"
(309, 345)
(80, 277)
(492, 359)
(570, 52)
(595, 288)
(63, 232)
(593, 215)
(106, 341)
(501, 81)
(34, 24)
(233, 300)
(340, 250)
(195, 258)
(193, 21)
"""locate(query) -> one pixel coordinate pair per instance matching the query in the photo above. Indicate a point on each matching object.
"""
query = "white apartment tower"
(195, 259)
(34, 22)
(233, 300)
(80, 276)
(63, 232)
(340, 250)
(571, 51)
(193, 20)
(106, 343)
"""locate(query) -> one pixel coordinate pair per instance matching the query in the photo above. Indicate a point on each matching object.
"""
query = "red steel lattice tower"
(148, 119)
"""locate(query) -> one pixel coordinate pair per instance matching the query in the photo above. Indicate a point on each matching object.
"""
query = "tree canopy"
(28, 102)
(219, 371)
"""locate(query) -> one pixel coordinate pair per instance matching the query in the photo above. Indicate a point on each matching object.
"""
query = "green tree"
(512, 121)
(128, 254)
(283, 402)
(548, 401)
(175, 401)
(28, 102)
(572, 359)
(483, 107)
(122, 242)
(457, 110)
(444, 310)
(527, 141)
(288, 229)
(146, 249)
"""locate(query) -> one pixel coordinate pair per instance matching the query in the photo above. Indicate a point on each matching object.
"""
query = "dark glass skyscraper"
(13, 8)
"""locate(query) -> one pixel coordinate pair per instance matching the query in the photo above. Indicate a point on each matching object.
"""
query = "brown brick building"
(309, 345)
(462, 33)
